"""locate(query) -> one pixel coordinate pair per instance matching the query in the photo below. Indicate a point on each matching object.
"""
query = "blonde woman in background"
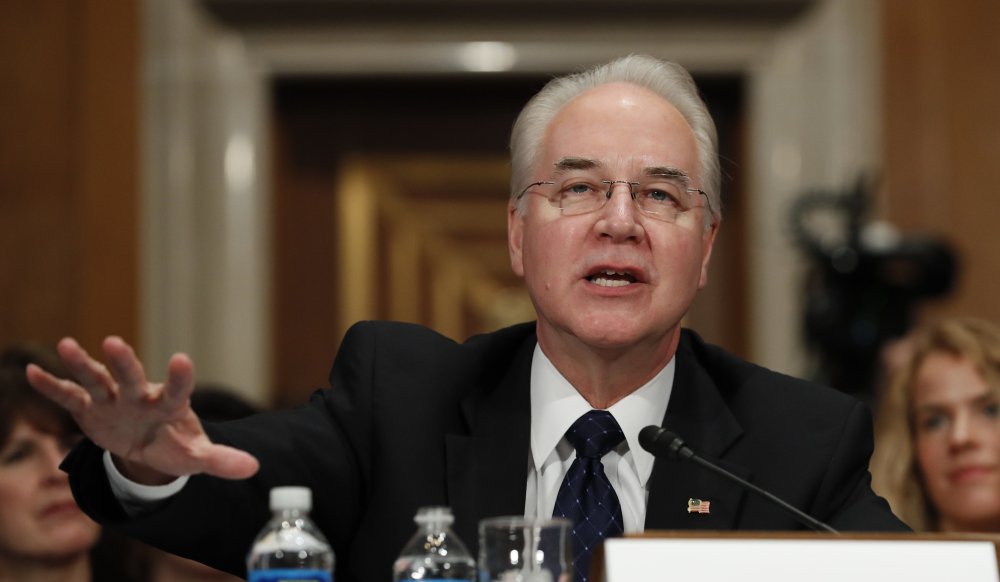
(937, 445)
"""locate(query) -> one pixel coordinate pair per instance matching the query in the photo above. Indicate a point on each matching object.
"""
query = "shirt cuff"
(136, 497)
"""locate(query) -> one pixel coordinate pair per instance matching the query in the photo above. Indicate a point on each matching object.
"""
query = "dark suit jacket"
(414, 419)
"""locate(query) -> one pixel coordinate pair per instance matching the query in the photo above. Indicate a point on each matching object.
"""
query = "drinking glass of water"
(519, 549)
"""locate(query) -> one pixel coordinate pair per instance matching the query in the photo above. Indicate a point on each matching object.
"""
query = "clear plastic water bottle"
(290, 547)
(434, 552)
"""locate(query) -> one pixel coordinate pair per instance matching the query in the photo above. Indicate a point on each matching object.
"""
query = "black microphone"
(662, 442)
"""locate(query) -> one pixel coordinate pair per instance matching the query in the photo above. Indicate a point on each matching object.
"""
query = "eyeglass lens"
(663, 197)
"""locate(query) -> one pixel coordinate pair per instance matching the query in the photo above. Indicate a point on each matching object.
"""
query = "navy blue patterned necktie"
(585, 496)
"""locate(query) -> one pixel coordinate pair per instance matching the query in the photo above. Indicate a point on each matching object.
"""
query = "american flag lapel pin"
(698, 505)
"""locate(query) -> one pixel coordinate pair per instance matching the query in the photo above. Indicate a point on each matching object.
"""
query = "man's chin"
(618, 335)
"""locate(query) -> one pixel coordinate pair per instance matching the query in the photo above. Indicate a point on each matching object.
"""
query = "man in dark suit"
(614, 210)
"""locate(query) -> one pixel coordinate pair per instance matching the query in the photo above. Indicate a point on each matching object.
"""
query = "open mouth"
(610, 278)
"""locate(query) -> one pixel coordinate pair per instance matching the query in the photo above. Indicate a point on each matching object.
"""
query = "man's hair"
(895, 474)
(667, 79)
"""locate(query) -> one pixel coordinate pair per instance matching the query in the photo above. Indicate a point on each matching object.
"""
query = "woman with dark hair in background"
(937, 440)
(43, 534)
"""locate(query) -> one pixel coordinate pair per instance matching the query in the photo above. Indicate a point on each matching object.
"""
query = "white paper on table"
(780, 560)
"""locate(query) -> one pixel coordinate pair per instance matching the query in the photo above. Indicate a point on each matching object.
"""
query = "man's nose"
(620, 186)
(619, 217)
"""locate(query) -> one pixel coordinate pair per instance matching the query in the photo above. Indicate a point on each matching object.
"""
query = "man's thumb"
(230, 463)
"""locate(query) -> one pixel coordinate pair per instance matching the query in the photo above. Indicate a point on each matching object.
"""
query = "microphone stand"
(651, 440)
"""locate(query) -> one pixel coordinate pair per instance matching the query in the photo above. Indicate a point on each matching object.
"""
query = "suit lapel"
(488, 468)
(698, 413)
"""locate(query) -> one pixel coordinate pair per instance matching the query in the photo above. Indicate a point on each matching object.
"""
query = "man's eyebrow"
(571, 163)
(667, 171)
(565, 164)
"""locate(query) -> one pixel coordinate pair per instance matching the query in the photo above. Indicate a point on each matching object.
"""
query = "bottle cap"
(434, 515)
(291, 498)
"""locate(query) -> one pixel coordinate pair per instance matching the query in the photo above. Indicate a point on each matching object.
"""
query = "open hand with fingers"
(148, 427)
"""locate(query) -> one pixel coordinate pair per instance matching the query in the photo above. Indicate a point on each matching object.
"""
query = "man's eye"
(658, 195)
(578, 189)
(992, 409)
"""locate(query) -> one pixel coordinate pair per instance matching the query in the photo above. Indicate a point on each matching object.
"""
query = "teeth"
(610, 282)
(612, 278)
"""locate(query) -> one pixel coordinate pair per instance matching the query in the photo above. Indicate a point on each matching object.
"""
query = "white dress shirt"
(555, 406)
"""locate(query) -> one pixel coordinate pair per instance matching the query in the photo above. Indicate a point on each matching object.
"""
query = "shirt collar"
(555, 406)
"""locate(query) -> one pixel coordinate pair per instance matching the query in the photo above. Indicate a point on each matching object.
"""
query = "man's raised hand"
(148, 427)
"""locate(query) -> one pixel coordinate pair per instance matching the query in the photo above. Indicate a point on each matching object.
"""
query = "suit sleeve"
(845, 499)
(213, 520)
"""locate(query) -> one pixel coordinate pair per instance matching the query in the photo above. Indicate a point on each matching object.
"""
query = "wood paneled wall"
(69, 87)
(942, 137)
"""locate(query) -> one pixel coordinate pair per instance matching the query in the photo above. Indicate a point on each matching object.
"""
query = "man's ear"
(515, 238)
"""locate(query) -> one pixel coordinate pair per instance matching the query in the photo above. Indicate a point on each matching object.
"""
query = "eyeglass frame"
(611, 189)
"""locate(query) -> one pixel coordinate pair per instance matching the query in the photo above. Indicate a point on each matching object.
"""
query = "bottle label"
(279, 575)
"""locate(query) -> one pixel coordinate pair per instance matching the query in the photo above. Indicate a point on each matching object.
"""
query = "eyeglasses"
(660, 196)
